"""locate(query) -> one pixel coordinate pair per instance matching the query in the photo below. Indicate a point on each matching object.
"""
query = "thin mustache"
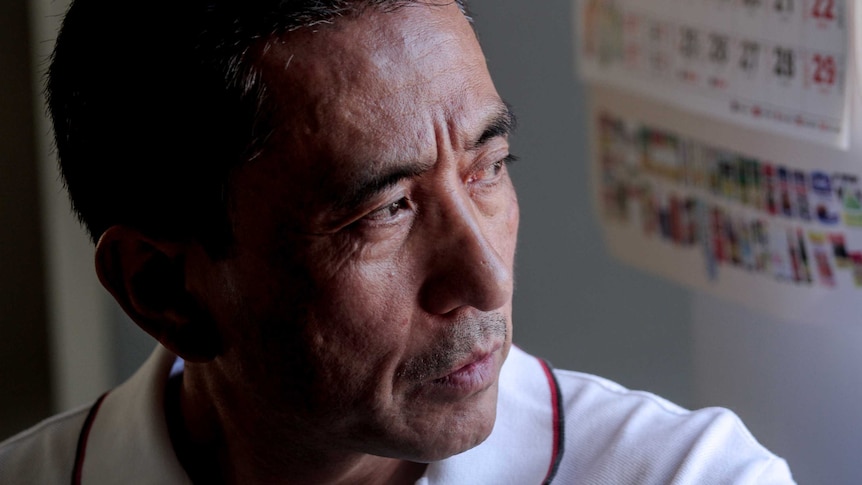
(458, 342)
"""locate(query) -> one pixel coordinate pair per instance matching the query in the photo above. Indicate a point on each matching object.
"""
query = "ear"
(149, 279)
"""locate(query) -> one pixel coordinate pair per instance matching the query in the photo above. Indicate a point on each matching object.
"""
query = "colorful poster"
(776, 226)
(779, 65)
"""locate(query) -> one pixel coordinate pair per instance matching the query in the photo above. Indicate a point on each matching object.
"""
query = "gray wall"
(24, 380)
(797, 386)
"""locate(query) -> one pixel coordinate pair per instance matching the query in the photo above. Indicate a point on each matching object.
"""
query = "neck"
(217, 447)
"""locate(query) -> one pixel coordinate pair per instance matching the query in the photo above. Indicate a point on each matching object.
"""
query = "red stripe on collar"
(558, 423)
(81, 450)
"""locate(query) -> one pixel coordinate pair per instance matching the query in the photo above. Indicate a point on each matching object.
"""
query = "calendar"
(779, 66)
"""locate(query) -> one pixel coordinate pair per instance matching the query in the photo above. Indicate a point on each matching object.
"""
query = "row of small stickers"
(779, 65)
(770, 219)
(771, 188)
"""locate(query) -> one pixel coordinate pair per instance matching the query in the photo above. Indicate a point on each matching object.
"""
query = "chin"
(458, 430)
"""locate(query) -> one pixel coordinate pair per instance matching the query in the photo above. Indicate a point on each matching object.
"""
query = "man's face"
(368, 301)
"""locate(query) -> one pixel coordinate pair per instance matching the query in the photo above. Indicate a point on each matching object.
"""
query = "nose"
(465, 267)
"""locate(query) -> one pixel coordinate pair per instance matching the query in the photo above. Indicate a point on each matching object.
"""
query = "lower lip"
(470, 379)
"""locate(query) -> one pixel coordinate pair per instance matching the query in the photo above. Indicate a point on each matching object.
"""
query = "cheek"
(362, 313)
(509, 227)
(358, 333)
(371, 300)
(514, 215)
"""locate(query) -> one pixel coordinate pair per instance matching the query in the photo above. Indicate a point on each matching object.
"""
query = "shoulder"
(121, 438)
(616, 435)
(45, 453)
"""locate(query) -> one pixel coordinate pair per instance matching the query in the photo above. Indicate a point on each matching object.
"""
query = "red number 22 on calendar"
(823, 9)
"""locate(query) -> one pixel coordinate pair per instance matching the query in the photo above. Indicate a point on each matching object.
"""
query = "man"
(308, 203)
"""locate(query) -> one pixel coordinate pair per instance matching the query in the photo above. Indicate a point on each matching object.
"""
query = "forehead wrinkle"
(369, 74)
(369, 63)
(471, 129)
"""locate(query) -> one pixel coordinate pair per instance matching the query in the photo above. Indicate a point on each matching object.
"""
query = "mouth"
(474, 374)
(463, 361)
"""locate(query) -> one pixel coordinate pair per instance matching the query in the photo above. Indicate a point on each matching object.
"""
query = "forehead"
(367, 76)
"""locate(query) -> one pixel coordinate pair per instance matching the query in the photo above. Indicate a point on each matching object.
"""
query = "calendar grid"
(777, 65)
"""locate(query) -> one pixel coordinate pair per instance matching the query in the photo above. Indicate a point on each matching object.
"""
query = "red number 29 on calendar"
(825, 70)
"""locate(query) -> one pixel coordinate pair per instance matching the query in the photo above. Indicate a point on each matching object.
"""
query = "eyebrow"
(501, 123)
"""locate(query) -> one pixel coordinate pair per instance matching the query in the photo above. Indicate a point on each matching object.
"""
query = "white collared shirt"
(571, 427)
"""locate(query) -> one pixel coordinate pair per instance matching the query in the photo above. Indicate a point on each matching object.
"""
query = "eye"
(389, 213)
(491, 172)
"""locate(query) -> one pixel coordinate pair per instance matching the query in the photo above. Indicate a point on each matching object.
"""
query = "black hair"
(154, 103)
